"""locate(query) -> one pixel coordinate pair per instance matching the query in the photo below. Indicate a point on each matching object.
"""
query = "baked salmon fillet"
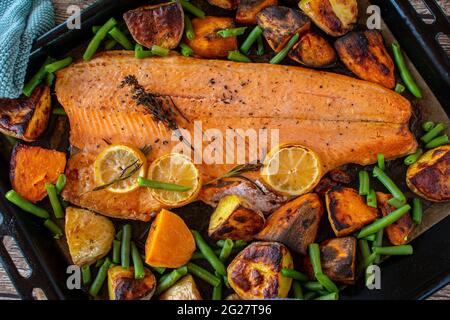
(343, 119)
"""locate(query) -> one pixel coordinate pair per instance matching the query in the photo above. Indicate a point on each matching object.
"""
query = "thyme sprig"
(238, 171)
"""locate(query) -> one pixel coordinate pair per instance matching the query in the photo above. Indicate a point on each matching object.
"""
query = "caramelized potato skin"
(428, 177)
(248, 9)
(399, 231)
(295, 224)
(123, 286)
(313, 51)
(207, 43)
(224, 4)
(184, 289)
(26, 118)
(280, 24)
(347, 210)
(160, 24)
(365, 55)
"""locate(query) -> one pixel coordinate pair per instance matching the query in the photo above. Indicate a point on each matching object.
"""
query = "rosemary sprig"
(238, 171)
(146, 149)
(123, 175)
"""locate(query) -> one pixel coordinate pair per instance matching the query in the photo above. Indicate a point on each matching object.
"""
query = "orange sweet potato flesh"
(170, 243)
(32, 167)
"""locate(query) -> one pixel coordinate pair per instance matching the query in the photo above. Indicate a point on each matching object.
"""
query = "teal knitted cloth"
(21, 22)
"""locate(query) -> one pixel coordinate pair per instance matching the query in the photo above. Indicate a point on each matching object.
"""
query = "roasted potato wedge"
(32, 167)
(233, 219)
(248, 9)
(429, 176)
(233, 296)
(313, 51)
(280, 24)
(123, 286)
(347, 210)
(207, 43)
(338, 258)
(365, 55)
(160, 24)
(89, 235)
(26, 118)
(335, 17)
(184, 289)
(224, 4)
(295, 224)
(399, 231)
(255, 273)
(324, 185)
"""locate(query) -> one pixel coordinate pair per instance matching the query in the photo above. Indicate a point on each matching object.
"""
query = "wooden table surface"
(7, 291)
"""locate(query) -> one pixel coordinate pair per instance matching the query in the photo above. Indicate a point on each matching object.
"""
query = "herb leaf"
(238, 171)
(124, 175)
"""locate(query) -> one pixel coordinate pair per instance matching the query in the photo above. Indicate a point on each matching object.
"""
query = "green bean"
(364, 248)
(297, 289)
(433, 133)
(237, 244)
(378, 243)
(371, 237)
(394, 250)
(99, 262)
(121, 38)
(364, 183)
(381, 163)
(186, 50)
(188, 28)
(86, 274)
(283, 53)
(217, 292)
(369, 260)
(110, 43)
(159, 270)
(396, 202)
(60, 183)
(140, 53)
(437, 142)
(100, 278)
(404, 72)
(237, 56)
(119, 235)
(58, 65)
(189, 7)
(313, 286)
(399, 88)
(314, 255)
(25, 205)
(95, 29)
(139, 272)
(59, 111)
(159, 51)
(428, 125)
(412, 158)
(232, 32)
(37, 78)
(209, 253)
(98, 38)
(225, 281)
(54, 201)
(389, 184)
(168, 280)
(116, 251)
(203, 274)
(49, 79)
(53, 227)
(310, 295)
(260, 49)
(143, 182)
(372, 199)
(417, 211)
(251, 38)
(326, 282)
(226, 250)
(126, 246)
(294, 274)
(384, 222)
(330, 296)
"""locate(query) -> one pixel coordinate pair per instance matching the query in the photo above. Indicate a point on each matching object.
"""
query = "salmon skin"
(343, 119)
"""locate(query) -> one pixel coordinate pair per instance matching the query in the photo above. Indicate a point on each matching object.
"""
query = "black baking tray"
(411, 277)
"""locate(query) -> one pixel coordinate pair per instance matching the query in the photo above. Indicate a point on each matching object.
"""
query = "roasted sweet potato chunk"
(313, 51)
(32, 167)
(233, 219)
(207, 43)
(365, 55)
(248, 9)
(280, 24)
(429, 176)
(26, 118)
(160, 24)
(335, 17)
(224, 4)
(347, 210)
(399, 231)
(295, 224)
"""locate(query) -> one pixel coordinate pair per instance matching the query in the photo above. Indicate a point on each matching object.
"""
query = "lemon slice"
(291, 170)
(116, 162)
(177, 169)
